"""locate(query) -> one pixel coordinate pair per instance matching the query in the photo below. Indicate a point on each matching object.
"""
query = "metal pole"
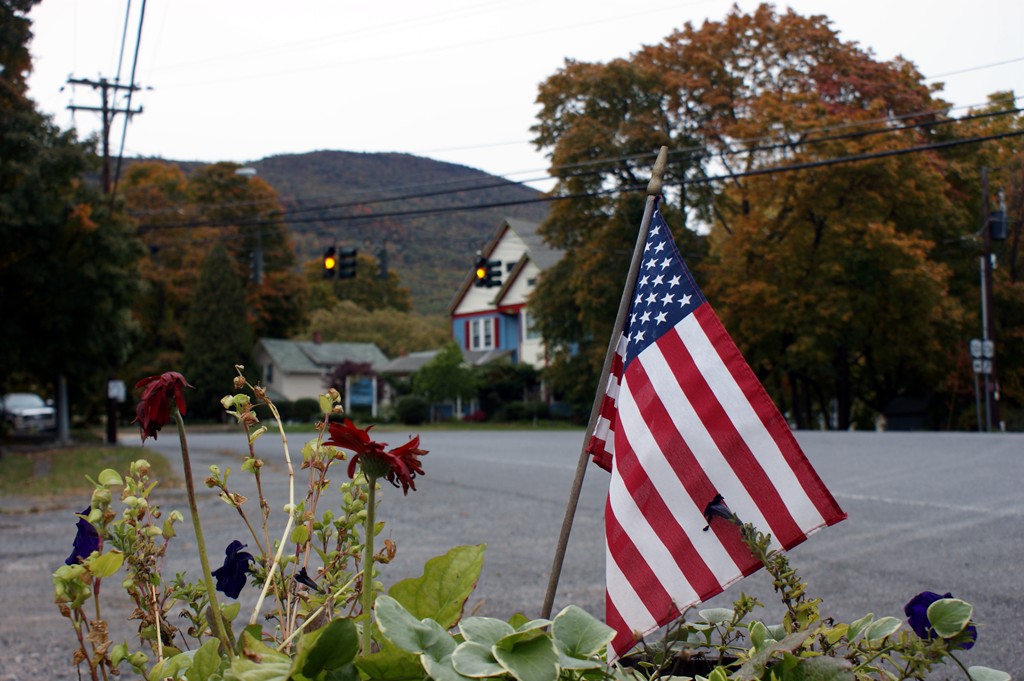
(986, 289)
(653, 191)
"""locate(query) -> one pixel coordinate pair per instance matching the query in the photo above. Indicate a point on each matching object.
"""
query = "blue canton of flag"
(664, 294)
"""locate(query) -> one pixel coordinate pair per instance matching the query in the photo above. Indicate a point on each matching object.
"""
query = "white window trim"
(481, 333)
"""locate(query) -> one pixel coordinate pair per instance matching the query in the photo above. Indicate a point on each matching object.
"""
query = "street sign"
(988, 349)
(982, 366)
(976, 348)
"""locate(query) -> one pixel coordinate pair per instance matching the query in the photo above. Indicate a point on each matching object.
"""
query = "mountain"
(431, 216)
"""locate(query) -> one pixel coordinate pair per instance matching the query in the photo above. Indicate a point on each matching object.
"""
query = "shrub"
(412, 410)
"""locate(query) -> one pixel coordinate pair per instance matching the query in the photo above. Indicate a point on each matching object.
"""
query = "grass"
(54, 472)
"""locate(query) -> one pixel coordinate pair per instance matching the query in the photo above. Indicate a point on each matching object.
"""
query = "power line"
(455, 187)
(135, 63)
(563, 197)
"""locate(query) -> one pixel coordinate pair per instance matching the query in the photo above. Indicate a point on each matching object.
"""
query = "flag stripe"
(710, 461)
(694, 376)
(770, 439)
(774, 423)
(651, 433)
(652, 600)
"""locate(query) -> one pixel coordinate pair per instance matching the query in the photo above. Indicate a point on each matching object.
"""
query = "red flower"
(154, 409)
(399, 466)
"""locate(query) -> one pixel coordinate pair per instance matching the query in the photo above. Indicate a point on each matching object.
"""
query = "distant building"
(297, 369)
(491, 323)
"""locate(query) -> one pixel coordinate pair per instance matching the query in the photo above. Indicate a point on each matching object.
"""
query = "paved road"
(942, 512)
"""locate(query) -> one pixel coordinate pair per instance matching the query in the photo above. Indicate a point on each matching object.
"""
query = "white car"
(27, 412)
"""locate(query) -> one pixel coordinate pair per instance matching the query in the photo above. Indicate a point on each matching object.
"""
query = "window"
(530, 325)
(481, 334)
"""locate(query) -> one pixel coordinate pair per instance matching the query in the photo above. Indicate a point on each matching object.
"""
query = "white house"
(493, 322)
(297, 369)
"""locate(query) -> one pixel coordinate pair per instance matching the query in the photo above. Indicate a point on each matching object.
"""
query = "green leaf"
(758, 635)
(109, 477)
(229, 611)
(441, 670)
(716, 615)
(328, 648)
(485, 630)
(300, 534)
(267, 670)
(949, 616)
(390, 662)
(880, 628)
(106, 564)
(403, 629)
(326, 405)
(533, 659)
(447, 582)
(206, 662)
(986, 674)
(476, 660)
(580, 634)
(823, 668)
(858, 626)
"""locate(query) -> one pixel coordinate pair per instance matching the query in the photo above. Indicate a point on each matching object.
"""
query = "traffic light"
(330, 262)
(487, 273)
(347, 263)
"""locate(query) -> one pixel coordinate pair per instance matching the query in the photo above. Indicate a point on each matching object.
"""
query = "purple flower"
(302, 577)
(231, 576)
(87, 540)
(917, 616)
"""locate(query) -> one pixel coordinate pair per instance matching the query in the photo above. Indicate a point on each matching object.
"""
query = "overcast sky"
(453, 80)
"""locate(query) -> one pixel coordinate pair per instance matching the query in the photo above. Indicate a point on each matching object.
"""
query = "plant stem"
(288, 524)
(961, 665)
(204, 561)
(367, 596)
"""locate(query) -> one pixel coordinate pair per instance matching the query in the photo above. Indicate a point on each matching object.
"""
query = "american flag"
(684, 419)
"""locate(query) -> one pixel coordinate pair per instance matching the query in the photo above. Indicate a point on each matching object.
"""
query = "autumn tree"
(394, 332)
(181, 217)
(840, 259)
(372, 288)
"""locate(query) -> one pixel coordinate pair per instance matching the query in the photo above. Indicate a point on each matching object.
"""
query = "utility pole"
(115, 388)
(107, 113)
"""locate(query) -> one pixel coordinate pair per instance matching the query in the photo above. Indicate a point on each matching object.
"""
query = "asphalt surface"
(942, 512)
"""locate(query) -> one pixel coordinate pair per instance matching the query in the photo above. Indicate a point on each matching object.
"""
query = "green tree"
(445, 377)
(68, 272)
(218, 335)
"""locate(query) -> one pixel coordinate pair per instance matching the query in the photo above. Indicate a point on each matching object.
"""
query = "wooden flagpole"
(653, 191)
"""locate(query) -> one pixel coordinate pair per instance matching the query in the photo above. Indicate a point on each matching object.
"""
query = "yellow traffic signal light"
(487, 273)
(330, 262)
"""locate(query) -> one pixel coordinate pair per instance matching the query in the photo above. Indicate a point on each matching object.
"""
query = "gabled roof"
(307, 357)
(538, 251)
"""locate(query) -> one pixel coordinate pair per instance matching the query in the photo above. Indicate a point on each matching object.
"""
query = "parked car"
(27, 412)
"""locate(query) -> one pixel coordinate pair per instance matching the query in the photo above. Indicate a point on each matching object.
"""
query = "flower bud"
(101, 497)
